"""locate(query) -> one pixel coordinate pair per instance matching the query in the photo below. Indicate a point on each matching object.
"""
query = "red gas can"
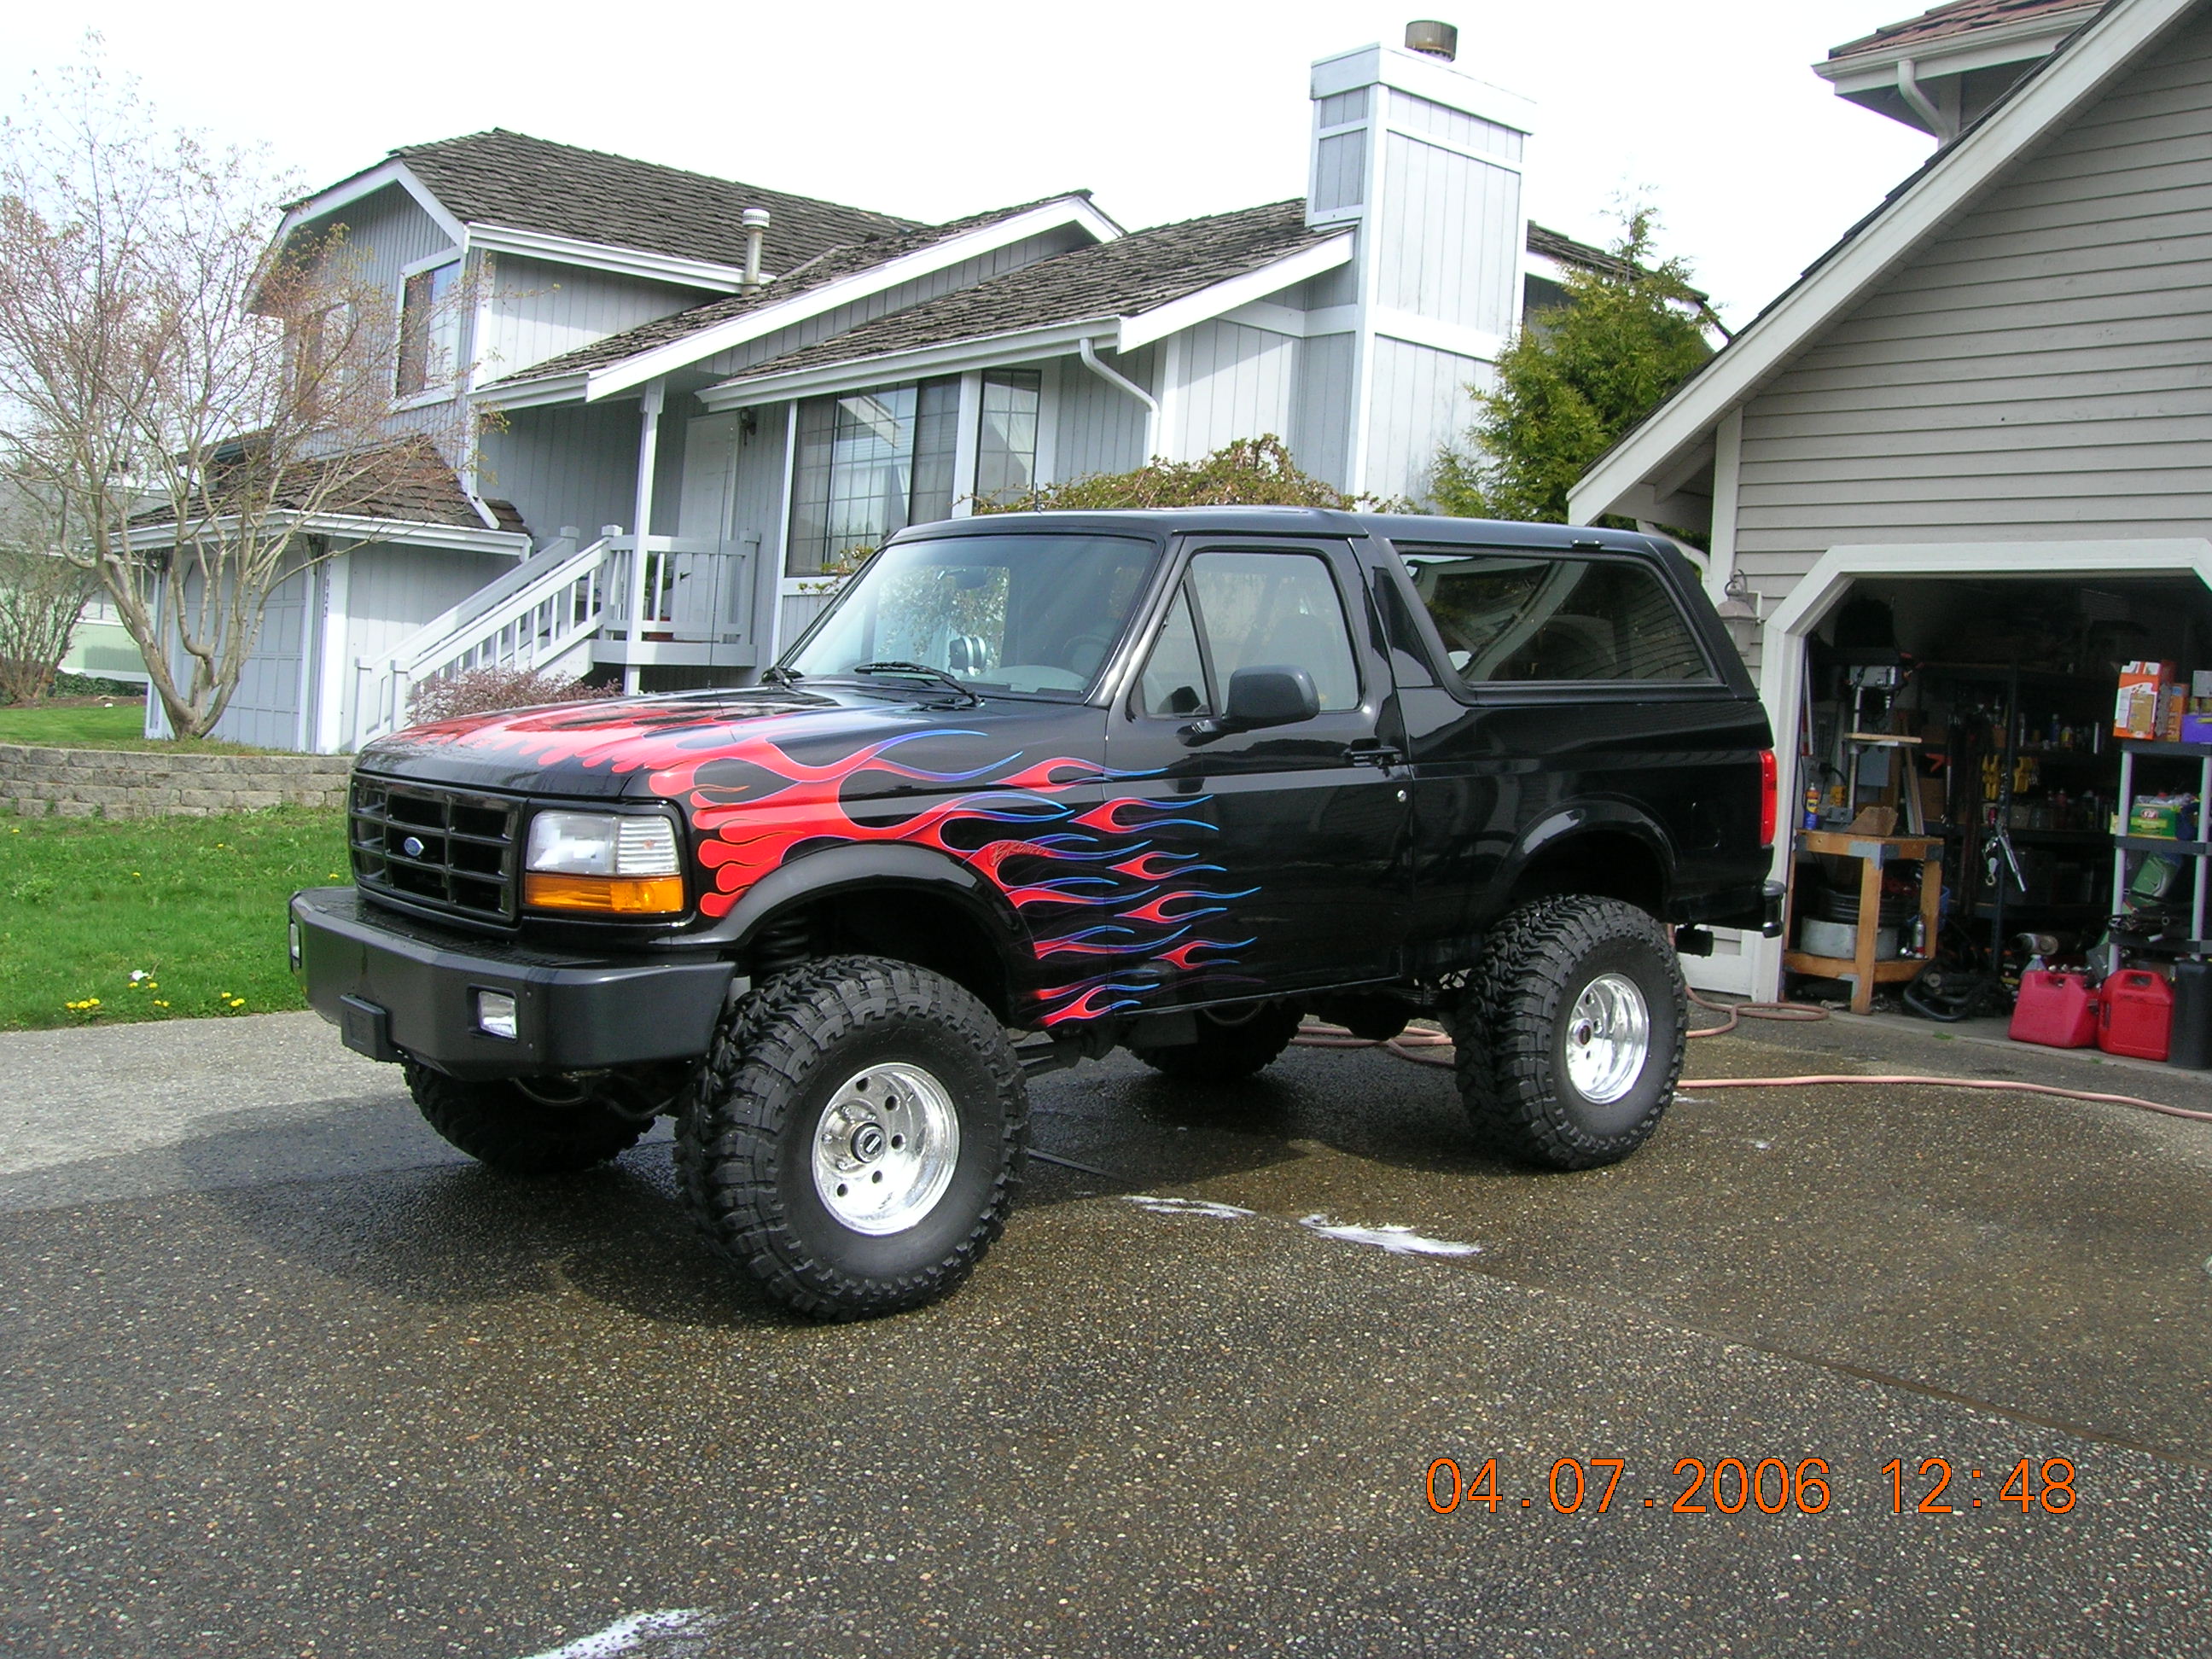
(2058, 1011)
(2137, 1015)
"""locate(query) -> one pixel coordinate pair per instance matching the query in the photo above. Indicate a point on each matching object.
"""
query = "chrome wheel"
(885, 1148)
(1608, 1039)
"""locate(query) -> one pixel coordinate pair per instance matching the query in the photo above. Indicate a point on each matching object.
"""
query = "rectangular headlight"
(601, 844)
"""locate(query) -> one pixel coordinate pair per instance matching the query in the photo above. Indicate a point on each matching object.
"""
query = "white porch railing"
(693, 591)
(531, 617)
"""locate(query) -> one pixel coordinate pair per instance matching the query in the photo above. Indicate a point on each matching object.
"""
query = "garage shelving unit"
(2124, 845)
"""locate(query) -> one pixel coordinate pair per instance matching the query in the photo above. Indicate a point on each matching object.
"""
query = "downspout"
(648, 454)
(1152, 404)
(1916, 99)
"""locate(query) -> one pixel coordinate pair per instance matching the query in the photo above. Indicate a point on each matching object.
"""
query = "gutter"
(1151, 404)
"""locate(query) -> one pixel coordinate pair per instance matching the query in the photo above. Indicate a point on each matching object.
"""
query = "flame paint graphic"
(1102, 882)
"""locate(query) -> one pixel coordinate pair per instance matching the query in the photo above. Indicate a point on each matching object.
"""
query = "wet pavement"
(284, 1376)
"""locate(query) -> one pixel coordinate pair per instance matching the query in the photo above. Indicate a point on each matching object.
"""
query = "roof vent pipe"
(1435, 40)
(755, 221)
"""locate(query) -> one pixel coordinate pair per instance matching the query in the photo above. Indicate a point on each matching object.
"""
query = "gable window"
(430, 331)
(868, 463)
(1507, 617)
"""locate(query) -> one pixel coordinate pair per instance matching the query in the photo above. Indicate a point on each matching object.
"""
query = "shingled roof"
(1122, 278)
(1960, 17)
(826, 267)
(511, 178)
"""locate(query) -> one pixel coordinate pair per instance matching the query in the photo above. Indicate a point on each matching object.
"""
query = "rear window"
(1514, 618)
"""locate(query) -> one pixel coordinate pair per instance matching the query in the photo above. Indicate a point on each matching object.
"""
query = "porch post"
(648, 451)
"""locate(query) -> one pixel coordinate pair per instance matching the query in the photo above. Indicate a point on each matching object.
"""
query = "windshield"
(1030, 614)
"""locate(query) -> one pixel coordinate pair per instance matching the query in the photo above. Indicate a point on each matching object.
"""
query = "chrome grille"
(445, 849)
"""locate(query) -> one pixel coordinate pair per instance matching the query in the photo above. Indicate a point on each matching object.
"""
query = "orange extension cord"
(1424, 1047)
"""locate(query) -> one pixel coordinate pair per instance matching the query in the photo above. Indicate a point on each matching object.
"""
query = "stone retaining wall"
(128, 783)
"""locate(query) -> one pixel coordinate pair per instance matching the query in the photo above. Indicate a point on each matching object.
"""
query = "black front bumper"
(396, 988)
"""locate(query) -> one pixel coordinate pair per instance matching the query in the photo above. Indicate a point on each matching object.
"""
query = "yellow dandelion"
(158, 1003)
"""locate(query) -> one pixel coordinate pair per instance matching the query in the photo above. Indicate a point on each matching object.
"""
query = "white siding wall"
(572, 463)
(1418, 400)
(1320, 419)
(534, 310)
(264, 710)
(391, 591)
(1450, 242)
(1100, 427)
(1237, 383)
(2042, 370)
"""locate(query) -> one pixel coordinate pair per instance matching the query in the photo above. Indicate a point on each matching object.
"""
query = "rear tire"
(1224, 1052)
(855, 1137)
(498, 1125)
(1570, 1034)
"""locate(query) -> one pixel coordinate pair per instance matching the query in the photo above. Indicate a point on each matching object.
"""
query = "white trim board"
(828, 296)
(1209, 302)
(348, 191)
(2080, 74)
(366, 531)
(673, 268)
(1874, 69)
(858, 373)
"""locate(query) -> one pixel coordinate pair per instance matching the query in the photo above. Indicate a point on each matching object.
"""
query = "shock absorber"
(781, 948)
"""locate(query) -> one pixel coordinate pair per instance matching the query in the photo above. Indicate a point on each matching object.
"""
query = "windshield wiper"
(779, 675)
(921, 671)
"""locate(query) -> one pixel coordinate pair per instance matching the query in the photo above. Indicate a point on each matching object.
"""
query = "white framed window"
(430, 331)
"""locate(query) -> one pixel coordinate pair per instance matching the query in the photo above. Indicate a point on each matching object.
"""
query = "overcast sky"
(1165, 108)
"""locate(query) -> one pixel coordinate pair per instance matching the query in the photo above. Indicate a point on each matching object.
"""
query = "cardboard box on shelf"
(2146, 695)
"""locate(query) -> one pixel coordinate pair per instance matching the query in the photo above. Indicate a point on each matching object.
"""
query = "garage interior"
(1975, 718)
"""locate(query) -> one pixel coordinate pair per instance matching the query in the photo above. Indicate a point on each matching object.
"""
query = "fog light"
(495, 1014)
(292, 944)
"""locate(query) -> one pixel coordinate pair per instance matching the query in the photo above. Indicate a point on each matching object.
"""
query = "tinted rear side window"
(1511, 617)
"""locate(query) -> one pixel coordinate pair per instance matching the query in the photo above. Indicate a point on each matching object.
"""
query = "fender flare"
(844, 868)
(1575, 821)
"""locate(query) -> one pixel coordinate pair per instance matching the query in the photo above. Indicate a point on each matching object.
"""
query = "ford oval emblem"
(412, 847)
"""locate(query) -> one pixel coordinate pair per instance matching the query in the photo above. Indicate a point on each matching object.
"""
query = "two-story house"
(646, 412)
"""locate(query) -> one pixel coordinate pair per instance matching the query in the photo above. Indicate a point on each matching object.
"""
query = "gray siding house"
(669, 405)
(2003, 374)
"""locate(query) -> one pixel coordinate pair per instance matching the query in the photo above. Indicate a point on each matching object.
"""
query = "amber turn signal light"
(627, 896)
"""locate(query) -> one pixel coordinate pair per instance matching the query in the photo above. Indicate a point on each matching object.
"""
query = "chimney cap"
(1434, 40)
(754, 218)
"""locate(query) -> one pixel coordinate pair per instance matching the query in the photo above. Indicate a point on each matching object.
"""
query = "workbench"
(1874, 852)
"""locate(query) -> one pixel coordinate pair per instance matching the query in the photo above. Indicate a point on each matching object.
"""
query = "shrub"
(488, 691)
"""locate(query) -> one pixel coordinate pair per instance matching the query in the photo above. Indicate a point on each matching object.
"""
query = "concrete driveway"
(285, 1376)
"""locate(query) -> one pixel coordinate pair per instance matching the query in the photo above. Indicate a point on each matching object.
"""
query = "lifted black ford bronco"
(1158, 780)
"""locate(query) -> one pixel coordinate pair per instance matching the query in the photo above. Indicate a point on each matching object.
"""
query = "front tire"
(1570, 1034)
(1228, 1050)
(498, 1125)
(855, 1138)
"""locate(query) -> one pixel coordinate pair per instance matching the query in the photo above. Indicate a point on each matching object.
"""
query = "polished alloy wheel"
(1608, 1039)
(885, 1148)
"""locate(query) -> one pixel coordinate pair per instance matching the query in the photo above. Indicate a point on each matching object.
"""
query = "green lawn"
(194, 905)
(87, 726)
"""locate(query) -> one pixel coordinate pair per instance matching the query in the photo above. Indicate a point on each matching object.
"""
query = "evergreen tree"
(1575, 378)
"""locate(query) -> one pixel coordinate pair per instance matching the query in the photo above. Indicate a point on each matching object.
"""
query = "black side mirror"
(1273, 695)
(1258, 697)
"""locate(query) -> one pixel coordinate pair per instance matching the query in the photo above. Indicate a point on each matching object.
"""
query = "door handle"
(1372, 752)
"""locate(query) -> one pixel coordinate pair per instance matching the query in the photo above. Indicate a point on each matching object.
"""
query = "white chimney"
(1422, 162)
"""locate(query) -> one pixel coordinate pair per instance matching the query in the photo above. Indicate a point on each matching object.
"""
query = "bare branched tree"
(194, 398)
(42, 594)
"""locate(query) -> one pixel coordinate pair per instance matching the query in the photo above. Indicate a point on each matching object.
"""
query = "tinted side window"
(1519, 617)
(1272, 610)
